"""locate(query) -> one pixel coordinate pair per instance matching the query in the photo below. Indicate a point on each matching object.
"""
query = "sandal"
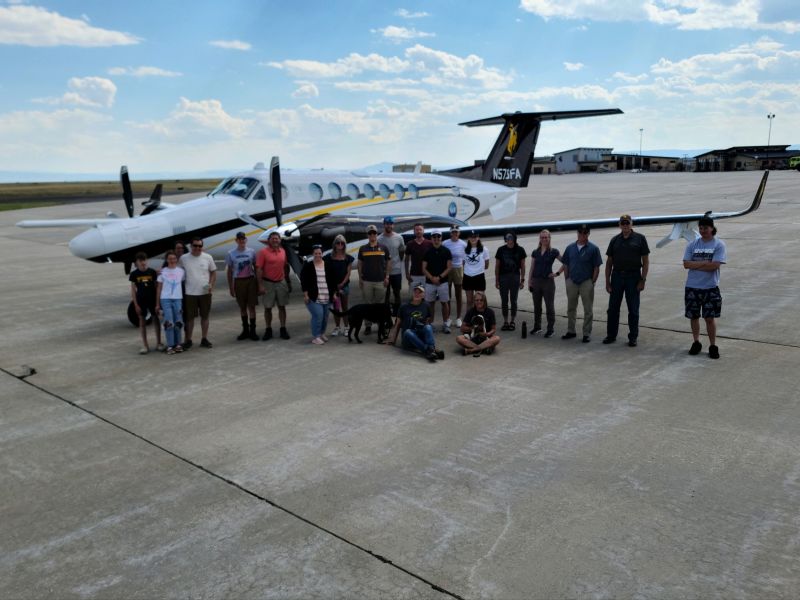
(505, 327)
(512, 326)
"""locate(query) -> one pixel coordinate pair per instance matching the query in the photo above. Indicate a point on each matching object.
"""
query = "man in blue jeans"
(414, 319)
(627, 263)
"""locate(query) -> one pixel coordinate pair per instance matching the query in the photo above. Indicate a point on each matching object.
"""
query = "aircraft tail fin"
(510, 161)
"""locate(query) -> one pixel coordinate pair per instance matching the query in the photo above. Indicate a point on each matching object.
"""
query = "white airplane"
(313, 206)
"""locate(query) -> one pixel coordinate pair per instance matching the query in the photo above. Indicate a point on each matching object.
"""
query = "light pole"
(770, 116)
(641, 163)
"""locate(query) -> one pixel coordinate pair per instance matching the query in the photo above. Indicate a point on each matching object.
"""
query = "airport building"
(746, 158)
(409, 168)
(603, 160)
(580, 160)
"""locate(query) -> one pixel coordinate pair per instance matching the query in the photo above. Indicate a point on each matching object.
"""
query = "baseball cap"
(583, 228)
(436, 232)
(419, 286)
(472, 232)
(706, 220)
(625, 218)
(241, 236)
(371, 229)
(454, 228)
(388, 219)
(509, 236)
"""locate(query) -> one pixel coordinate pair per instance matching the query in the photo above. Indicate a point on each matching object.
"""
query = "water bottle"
(524, 329)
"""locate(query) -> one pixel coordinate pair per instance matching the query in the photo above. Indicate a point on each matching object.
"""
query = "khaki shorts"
(246, 291)
(197, 304)
(275, 292)
(374, 292)
(455, 275)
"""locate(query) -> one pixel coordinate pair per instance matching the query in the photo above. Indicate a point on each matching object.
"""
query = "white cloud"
(448, 69)
(627, 78)
(353, 64)
(202, 119)
(232, 45)
(406, 14)
(35, 26)
(306, 89)
(570, 66)
(401, 34)
(96, 92)
(143, 72)
(682, 14)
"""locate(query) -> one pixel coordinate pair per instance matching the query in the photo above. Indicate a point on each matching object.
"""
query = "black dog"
(380, 314)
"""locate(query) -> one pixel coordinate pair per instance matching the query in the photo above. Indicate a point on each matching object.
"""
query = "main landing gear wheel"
(134, 318)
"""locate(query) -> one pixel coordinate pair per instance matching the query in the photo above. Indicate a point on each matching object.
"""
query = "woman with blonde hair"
(542, 283)
(341, 263)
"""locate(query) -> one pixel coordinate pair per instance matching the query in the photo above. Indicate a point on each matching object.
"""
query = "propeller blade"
(127, 192)
(250, 220)
(293, 258)
(275, 189)
(155, 200)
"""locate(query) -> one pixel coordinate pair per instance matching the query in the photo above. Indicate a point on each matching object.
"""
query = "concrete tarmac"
(552, 469)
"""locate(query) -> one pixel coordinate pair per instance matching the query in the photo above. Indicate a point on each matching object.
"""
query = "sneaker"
(161, 348)
(569, 336)
(368, 330)
(445, 328)
(488, 351)
(284, 334)
(335, 332)
(317, 341)
(536, 329)
(205, 343)
(695, 349)
(144, 350)
(187, 344)
(549, 334)
(459, 322)
(448, 322)
(431, 356)
(713, 352)
(178, 349)
(439, 354)
(170, 350)
(243, 336)
(609, 340)
(267, 334)
(632, 343)
(586, 339)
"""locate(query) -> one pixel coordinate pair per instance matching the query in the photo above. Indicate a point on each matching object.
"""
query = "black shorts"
(147, 305)
(474, 283)
(705, 303)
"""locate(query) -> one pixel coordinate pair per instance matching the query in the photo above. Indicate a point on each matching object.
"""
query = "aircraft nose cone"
(89, 244)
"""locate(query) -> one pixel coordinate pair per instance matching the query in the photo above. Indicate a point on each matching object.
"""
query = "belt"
(637, 272)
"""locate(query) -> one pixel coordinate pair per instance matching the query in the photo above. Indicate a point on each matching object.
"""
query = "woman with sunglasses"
(342, 264)
(318, 282)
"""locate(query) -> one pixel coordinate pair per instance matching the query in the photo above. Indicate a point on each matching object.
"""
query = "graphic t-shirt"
(510, 258)
(712, 251)
(242, 263)
(171, 280)
(475, 262)
(414, 316)
(145, 282)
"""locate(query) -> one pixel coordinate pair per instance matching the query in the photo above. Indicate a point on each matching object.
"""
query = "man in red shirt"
(272, 272)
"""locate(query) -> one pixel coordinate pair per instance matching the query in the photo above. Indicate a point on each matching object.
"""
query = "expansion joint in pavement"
(22, 377)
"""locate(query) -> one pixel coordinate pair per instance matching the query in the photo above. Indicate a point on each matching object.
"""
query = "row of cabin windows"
(369, 191)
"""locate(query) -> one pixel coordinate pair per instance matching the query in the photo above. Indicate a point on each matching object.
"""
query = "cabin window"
(237, 186)
(399, 191)
(260, 193)
(413, 191)
(334, 190)
(315, 191)
(369, 191)
(352, 191)
(385, 191)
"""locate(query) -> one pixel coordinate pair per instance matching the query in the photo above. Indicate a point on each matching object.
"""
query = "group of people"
(436, 271)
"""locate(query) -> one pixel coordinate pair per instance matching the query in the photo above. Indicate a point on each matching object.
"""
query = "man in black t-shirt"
(413, 319)
(436, 265)
(627, 264)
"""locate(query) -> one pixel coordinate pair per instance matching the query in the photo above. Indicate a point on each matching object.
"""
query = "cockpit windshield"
(236, 186)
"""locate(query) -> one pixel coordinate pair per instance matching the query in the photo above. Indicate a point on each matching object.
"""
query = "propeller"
(275, 189)
(127, 192)
(155, 200)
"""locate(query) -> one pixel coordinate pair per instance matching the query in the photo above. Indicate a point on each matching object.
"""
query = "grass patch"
(21, 205)
(77, 191)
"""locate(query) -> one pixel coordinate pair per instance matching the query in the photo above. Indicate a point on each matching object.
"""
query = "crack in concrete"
(239, 487)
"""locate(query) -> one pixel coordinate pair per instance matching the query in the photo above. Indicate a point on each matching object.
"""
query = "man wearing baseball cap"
(703, 258)
(397, 248)
(240, 265)
(374, 266)
(414, 319)
(627, 263)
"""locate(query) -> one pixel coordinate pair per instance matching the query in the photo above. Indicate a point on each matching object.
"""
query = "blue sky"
(190, 86)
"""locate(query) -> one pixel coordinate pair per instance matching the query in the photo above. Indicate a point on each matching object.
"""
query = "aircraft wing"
(684, 225)
(67, 222)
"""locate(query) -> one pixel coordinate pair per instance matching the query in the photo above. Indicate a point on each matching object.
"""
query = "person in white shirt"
(455, 277)
(201, 275)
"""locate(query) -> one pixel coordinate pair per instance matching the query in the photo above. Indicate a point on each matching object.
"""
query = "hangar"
(746, 158)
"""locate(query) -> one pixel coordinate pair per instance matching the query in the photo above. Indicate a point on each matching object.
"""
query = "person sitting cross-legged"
(479, 329)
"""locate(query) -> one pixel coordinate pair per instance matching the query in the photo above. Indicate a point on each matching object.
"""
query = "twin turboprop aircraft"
(312, 207)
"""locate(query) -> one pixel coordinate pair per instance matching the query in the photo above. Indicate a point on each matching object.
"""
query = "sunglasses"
(624, 222)
(340, 243)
